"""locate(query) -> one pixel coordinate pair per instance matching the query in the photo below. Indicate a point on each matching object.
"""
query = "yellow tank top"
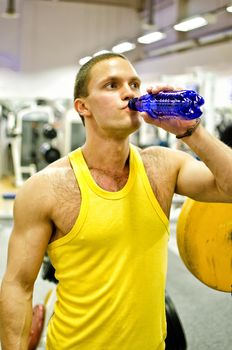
(111, 267)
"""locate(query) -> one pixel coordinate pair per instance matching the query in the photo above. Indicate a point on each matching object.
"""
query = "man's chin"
(136, 122)
(126, 127)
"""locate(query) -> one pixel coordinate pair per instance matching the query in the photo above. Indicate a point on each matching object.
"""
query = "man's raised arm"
(211, 179)
(208, 180)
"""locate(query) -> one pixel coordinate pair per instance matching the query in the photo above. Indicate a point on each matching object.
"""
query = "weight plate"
(204, 239)
(36, 326)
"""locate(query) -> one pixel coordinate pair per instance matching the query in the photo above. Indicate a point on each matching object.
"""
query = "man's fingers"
(158, 88)
(148, 119)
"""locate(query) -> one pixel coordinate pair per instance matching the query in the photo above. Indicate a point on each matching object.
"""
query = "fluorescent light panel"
(215, 37)
(172, 48)
(229, 9)
(123, 47)
(190, 24)
(100, 52)
(10, 15)
(151, 37)
(84, 60)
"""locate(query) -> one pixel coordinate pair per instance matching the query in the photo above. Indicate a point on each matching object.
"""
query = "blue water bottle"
(183, 104)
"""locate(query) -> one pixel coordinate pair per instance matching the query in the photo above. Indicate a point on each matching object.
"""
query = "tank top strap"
(79, 166)
(147, 186)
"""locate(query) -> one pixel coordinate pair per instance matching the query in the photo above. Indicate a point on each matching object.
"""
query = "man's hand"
(174, 126)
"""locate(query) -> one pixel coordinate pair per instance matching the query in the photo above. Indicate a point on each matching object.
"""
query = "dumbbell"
(49, 153)
(49, 132)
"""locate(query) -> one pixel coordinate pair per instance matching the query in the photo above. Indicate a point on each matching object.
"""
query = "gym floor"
(206, 314)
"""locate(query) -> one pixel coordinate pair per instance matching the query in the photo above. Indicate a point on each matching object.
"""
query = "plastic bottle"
(183, 104)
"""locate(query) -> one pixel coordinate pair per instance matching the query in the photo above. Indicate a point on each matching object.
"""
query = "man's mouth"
(126, 107)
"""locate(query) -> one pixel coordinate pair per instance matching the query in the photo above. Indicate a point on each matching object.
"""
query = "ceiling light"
(100, 52)
(10, 10)
(151, 37)
(229, 9)
(84, 60)
(123, 47)
(207, 39)
(190, 24)
(184, 45)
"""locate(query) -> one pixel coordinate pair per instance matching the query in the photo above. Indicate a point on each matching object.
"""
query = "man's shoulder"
(42, 185)
(157, 151)
(163, 158)
(50, 173)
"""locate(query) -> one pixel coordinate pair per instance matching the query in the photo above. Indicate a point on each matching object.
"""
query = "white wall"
(55, 83)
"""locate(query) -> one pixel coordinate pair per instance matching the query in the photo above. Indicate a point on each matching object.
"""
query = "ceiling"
(136, 4)
(50, 35)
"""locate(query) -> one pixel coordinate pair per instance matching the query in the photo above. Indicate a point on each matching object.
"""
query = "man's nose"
(127, 93)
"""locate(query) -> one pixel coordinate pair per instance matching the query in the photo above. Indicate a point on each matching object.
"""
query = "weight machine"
(74, 131)
(27, 130)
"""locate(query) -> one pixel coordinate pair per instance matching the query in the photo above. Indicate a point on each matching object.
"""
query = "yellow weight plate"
(204, 239)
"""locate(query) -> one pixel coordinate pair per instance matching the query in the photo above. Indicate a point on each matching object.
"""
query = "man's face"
(112, 83)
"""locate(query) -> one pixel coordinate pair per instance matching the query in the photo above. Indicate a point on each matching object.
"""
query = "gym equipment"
(9, 195)
(74, 135)
(49, 132)
(49, 153)
(6, 206)
(36, 326)
(40, 318)
(48, 271)
(25, 119)
(226, 135)
(27, 130)
(224, 126)
(175, 339)
(204, 239)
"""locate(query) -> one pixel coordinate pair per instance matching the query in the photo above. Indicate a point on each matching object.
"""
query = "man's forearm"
(15, 315)
(215, 154)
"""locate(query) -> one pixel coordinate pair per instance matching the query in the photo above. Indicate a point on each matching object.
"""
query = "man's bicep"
(28, 242)
(25, 256)
(196, 181)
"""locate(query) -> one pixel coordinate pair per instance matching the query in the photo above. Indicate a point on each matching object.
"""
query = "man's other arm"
(28, 242)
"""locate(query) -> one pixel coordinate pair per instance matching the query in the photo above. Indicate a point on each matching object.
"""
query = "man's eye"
(135, 85)
(111, 85)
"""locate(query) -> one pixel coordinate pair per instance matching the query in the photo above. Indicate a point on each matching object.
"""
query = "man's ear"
(81, 107)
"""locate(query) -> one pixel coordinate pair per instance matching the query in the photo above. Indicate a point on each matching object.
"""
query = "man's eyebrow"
(111, 77)
(115, 77)
(137, 79)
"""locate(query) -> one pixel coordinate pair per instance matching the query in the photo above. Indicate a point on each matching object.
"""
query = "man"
(102, 214)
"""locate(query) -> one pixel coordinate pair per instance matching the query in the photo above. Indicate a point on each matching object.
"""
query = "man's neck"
(111, 156)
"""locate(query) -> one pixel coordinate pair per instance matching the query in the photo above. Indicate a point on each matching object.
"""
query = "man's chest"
(69, 197)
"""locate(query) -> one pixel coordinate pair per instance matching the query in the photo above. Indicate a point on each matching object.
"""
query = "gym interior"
(43, 44)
